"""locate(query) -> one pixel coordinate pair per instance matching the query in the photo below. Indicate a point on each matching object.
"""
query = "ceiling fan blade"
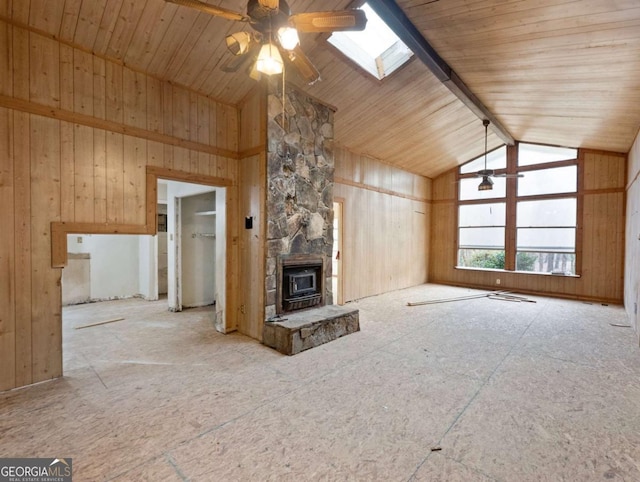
(508, 175)
(485, 172)
(301, 62)
(341, 20)
(237, 62)
(210, 9)
(270, 4)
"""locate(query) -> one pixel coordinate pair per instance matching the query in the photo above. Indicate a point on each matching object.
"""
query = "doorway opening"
(182, 266)
(337, 263)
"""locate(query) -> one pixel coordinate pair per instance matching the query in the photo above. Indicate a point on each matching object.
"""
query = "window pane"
(546, 239)
(377, 49)
(529, 154)
(482, 215)
(482, 238)
(548, 181)
(554, 212)
(496, 159)
(481, 258)
(537, 262)
(469, 189)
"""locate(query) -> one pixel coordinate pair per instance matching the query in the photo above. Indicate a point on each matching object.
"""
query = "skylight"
(376, 49)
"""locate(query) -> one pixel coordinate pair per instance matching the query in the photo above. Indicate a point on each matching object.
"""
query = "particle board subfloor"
(506, 391)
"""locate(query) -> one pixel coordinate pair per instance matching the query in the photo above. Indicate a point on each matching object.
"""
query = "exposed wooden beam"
(396, 19)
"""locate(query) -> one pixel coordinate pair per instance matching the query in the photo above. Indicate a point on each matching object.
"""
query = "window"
(496, 159)
(481, 235)
(529, 154)
(544, 207)
(546, 235)
(376, 49)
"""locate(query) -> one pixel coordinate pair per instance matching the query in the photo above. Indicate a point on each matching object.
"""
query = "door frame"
(339, 296)
(226, 320)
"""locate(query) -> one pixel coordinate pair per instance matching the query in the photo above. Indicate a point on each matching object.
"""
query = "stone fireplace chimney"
(300, 167)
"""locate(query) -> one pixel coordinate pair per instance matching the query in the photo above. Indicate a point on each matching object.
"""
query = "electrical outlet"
(242, 309)
(79, 239)
(497, 281)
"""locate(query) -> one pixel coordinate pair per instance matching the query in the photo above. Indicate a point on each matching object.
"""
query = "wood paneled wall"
(603, 222)
(632, 255)
(76, 135)
(386, 221)
(253, 138)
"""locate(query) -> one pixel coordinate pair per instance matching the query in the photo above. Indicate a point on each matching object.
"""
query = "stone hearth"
(301, 330)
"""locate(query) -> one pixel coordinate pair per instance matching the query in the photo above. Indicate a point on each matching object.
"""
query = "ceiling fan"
(487, 174)
(276, 32)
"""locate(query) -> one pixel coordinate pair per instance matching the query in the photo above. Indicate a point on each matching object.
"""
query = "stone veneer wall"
(300, 168)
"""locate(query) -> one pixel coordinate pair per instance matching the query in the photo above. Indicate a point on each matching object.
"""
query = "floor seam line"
(175, 466)
(475, 395)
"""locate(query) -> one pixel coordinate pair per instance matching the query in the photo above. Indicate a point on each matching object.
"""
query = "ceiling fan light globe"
(238, 43)
(486, 184)
(288, 37)
(269, 60)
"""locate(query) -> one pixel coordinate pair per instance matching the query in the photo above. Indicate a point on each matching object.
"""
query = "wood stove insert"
(300, 283)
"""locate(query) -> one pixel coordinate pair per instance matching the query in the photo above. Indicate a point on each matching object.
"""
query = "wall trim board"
(254, 151)
(42, 33)
(116, 127)
(60, 229)
(550, 294)
(177, 175)
(346, 182)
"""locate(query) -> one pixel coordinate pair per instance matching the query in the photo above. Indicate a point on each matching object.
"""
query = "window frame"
(511, 199)
(359, 68)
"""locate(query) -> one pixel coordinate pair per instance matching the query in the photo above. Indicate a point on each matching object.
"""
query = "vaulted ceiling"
(563, 72)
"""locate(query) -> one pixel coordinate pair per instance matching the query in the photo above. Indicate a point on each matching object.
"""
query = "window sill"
(492, 270)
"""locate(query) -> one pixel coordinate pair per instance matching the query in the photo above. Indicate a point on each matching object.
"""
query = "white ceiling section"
(551, 71)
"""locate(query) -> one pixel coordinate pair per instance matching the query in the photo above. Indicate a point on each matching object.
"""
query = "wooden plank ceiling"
(563, 72)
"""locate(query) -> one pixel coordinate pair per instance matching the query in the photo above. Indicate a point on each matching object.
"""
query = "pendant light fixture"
(487, 183)
(269, 60)
(238, 43)
(288, 37)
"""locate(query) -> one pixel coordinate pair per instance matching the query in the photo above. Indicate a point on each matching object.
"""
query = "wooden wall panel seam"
(601, 152)
(22, 234)
(8, 320)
